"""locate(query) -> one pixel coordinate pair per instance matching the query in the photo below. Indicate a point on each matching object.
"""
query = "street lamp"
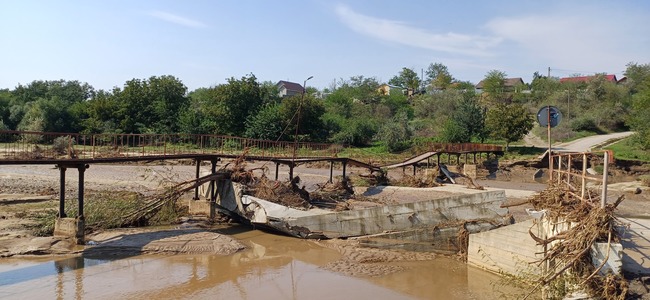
(304, 86)
(302, 97)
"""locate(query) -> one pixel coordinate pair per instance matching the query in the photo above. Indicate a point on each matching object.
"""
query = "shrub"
(60, 145)
(584, 124)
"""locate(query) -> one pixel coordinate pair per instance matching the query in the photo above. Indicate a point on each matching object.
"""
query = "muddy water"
(273, 267)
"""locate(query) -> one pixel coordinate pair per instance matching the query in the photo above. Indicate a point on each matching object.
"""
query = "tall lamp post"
(302, 98)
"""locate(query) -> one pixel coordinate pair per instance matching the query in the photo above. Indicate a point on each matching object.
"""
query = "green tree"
(407, 78)
(454, 132)
(509, 122)
(49, 105)
(169, 98)
(639, 119)
(101, 114)
(232, 103)
(151, 105)
(438, 76)
(6, 99)
(494, 87)
(395, 134)
(636, 75)
(303, 113)
(267, 124)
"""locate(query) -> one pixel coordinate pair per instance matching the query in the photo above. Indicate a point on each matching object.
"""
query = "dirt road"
(585, 144)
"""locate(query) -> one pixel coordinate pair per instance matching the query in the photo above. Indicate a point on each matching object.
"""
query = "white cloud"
(402, 33)
(593, 41)
(172, 18)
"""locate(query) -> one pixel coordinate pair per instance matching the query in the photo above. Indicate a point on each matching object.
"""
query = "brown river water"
(272, 267)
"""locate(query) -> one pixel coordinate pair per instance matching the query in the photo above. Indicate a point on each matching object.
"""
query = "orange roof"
(611, 78)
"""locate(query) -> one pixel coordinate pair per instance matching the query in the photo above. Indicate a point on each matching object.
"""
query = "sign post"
(549, 116)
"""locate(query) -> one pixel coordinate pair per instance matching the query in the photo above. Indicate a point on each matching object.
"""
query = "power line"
(571, 72)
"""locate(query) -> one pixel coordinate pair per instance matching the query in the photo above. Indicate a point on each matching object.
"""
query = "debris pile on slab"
(569, 251)
(290, 193)
(420, 180)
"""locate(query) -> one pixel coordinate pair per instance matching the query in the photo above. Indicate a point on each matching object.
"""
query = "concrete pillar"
(70, 227)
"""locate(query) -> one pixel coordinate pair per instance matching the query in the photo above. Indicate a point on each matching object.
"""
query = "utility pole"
(549, 73)
(295, 137)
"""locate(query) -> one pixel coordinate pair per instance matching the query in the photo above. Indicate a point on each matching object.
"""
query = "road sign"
(543, 116)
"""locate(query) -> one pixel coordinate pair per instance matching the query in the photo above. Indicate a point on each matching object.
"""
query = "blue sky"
(106, 43)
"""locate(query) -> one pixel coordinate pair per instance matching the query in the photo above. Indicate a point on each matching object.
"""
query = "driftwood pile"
(569, 251)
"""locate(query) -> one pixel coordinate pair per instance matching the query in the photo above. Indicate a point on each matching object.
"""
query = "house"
(584, 79)
(384, 89)
(510, 84)
(288, 89)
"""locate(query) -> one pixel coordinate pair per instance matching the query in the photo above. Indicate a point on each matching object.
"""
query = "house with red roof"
(584, 79)
(288, 89)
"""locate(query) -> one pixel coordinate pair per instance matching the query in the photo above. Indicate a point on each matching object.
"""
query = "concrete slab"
(318, 223)
(636, 246)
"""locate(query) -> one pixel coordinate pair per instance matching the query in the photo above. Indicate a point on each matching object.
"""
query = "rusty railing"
(26, 145)
(576, 179)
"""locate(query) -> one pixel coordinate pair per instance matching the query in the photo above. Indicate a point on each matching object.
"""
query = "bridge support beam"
(277, 169)
(71, 227)
(82, 171)
(345, 164)
(331, 171)
(62, 191)
(291, 165)
(213, 183)
(198, 174)
(414, 168)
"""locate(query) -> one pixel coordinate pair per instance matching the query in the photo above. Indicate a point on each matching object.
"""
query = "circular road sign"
(549, 113)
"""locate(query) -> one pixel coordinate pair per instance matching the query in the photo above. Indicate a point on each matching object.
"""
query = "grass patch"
(103, 210)
(645, 179)
(628, 150)
(377, 154)
(523, 152)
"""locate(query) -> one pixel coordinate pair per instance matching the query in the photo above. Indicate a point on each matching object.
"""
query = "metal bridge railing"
(30, 145)
(27, 145)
